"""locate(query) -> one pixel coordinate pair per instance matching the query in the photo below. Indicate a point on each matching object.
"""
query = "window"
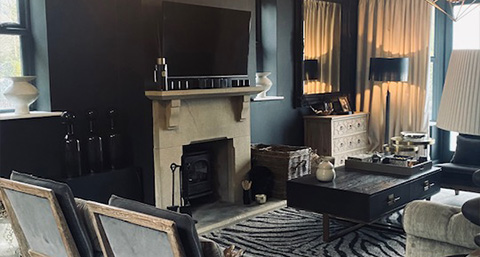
(466, 35)
(14, 43)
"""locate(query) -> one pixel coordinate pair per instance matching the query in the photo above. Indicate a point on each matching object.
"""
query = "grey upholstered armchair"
(440, 230)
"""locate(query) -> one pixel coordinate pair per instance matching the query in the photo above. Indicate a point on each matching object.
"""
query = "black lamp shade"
(310, 69)
(388, 69)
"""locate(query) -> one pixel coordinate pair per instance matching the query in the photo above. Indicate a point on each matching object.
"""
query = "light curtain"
(393, 28)
(322, 42)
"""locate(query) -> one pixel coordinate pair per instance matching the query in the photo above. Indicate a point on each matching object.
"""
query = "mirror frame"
(348, 54)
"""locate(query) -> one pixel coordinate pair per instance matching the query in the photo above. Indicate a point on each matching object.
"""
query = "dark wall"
(278, 122)
(101, 54)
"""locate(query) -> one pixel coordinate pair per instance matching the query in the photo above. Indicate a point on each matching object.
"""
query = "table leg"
(327, 237)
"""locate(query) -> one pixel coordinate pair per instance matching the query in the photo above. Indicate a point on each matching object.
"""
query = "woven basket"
(285, 162)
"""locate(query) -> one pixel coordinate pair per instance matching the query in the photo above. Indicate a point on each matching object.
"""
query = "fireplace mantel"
(202, 93)
(188, 117)
(173, 99)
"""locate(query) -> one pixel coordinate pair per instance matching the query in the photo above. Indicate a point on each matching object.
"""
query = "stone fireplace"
(186, 117)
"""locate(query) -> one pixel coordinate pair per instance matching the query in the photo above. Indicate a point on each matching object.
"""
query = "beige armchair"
(435, 229)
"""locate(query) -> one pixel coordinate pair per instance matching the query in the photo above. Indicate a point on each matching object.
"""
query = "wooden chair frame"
(41, 192)
(148, 221)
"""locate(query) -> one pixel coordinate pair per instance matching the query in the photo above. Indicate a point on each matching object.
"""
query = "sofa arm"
(439, 222)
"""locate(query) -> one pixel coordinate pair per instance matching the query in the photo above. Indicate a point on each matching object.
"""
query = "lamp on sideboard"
(388, 70)
(460, 104)
(310, 71)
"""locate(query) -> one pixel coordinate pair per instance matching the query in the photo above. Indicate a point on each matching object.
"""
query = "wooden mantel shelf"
(202, 93)
(173, 100)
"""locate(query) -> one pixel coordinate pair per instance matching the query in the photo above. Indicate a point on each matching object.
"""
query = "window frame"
(23, 30)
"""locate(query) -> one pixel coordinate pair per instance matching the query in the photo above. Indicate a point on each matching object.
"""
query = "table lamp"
(460, 104)
(388, 70)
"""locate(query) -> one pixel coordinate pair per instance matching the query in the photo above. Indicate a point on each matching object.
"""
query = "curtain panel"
(322, 19)
(394, 28)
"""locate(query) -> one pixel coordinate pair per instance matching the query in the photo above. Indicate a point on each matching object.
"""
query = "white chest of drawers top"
(337, 135)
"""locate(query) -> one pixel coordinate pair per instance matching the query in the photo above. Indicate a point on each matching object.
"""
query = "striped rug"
(293, 233)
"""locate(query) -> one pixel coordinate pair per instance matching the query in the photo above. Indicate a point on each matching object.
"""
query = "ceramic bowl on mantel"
(21, 94)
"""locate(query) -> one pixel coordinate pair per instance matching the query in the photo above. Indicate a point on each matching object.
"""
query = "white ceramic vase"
(325, 171)
(262, 80)
(21, 94)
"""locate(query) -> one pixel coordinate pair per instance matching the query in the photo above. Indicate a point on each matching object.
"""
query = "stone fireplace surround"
(185, 117)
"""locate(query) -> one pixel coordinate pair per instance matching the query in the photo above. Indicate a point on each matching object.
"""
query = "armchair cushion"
(185, 224)
(438, 222)
(468, 150)
(67, 203)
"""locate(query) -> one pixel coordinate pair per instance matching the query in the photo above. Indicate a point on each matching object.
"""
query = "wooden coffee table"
(359, 196)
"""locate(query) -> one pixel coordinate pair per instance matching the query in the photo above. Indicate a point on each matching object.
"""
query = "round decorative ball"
(21, 94)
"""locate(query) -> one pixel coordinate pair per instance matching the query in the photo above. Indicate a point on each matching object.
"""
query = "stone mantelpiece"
(185, 117)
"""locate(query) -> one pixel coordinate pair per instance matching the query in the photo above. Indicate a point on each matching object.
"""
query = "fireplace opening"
(205, 171)
(197, 174)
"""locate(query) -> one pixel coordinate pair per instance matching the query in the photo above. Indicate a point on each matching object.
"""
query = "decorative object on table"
(160, 74)
(322, 109)
(261, 198)
(324, 171)
(341, 106)
(460, 105)
(247, 192)
(94, 144)
(285, 162)
(460, 12)
(391, 164)
(263, 81)
(21, 93)
(73, 156)
(410, 144)
(388, 70)
(115, 143)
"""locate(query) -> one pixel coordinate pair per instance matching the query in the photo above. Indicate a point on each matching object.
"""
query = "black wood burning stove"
(196, 174)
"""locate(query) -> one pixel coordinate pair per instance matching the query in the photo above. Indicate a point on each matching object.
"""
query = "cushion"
(185, 224)
(69, 208)
(468, 150)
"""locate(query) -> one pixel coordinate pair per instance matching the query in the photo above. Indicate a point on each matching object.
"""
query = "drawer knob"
(392, 199)
(350, 143)
(350, 126)
(427, 185)
(341, 127)
(359, 141)
(358, 124)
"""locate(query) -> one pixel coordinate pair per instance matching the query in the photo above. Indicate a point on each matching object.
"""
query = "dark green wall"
(101, 54)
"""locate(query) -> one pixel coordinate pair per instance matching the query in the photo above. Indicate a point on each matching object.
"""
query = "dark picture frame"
(342, 105)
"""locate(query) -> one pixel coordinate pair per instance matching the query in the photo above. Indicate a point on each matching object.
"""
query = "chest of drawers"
(337, 135)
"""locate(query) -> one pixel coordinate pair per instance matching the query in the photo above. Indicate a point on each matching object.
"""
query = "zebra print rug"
(293, 233)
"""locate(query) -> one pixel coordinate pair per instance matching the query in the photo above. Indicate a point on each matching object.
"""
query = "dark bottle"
(115, 143)
(160, 74)
(73, 159)
(94, 145)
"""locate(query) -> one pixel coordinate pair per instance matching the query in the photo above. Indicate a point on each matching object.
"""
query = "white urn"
(325, 171)
(262, 80)
(21, 94)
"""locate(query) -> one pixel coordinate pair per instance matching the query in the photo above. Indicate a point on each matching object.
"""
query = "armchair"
(442, 230)
(38, 222)
(457, 174)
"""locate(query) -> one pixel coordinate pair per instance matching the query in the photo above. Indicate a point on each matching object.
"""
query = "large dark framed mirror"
(325, 62)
